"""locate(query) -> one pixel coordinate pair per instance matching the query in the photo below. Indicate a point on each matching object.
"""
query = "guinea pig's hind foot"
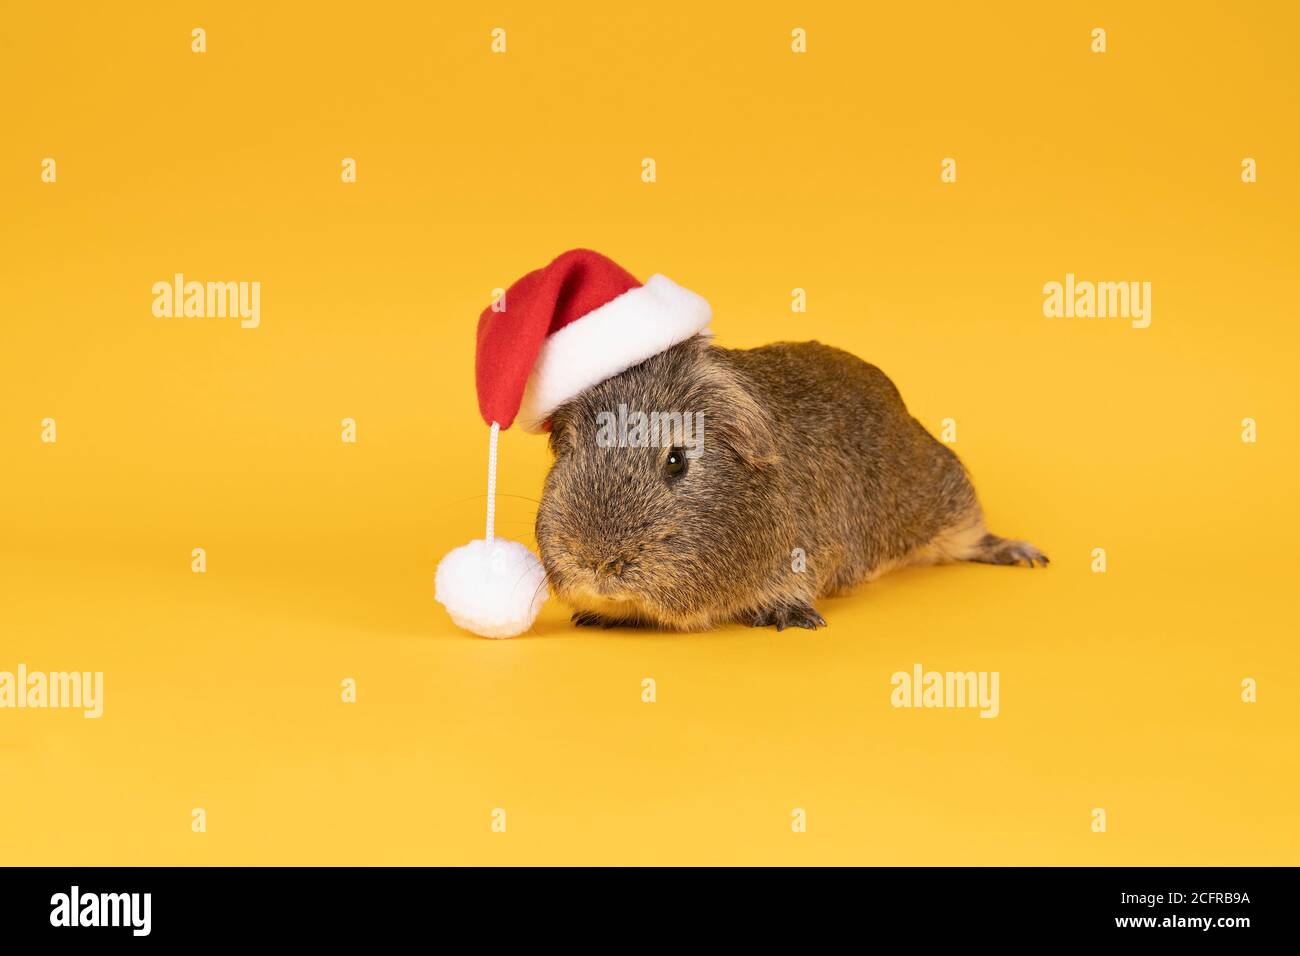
(788, 615)
(991, 549)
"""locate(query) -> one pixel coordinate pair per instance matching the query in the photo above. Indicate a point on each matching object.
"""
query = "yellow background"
(1118, 690)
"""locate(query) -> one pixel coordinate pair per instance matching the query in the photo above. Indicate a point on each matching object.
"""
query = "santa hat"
(553, 334)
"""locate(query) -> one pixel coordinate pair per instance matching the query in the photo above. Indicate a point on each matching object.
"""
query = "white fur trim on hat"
(625, 331)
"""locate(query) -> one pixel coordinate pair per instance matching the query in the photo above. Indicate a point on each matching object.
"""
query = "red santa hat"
(553, 334)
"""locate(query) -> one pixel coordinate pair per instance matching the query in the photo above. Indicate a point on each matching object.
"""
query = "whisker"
(448, 505)
(541, 584)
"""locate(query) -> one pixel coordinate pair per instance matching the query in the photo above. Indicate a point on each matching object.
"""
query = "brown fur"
(805, 446)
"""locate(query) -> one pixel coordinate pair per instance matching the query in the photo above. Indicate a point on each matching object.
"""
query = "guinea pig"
(808, 477)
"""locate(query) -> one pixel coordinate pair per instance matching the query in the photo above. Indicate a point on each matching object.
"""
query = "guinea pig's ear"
(734, 418)
(563, 436)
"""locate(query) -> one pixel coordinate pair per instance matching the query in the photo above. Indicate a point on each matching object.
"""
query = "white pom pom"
(493, 588)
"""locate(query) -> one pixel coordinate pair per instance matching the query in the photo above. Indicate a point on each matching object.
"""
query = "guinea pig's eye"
(675, 464)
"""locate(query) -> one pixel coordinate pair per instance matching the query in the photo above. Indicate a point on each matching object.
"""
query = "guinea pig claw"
(589, 619)
(794, 615)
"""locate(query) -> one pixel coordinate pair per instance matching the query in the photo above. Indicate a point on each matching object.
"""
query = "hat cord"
(492, 481)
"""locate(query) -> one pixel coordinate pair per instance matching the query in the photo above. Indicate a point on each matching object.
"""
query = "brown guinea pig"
(805, 477)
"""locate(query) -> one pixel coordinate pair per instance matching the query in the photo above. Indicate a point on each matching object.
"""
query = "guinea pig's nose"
(611, 568)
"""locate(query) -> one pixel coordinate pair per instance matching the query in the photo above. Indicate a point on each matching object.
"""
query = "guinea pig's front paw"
(591, 619)
(789, 615)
